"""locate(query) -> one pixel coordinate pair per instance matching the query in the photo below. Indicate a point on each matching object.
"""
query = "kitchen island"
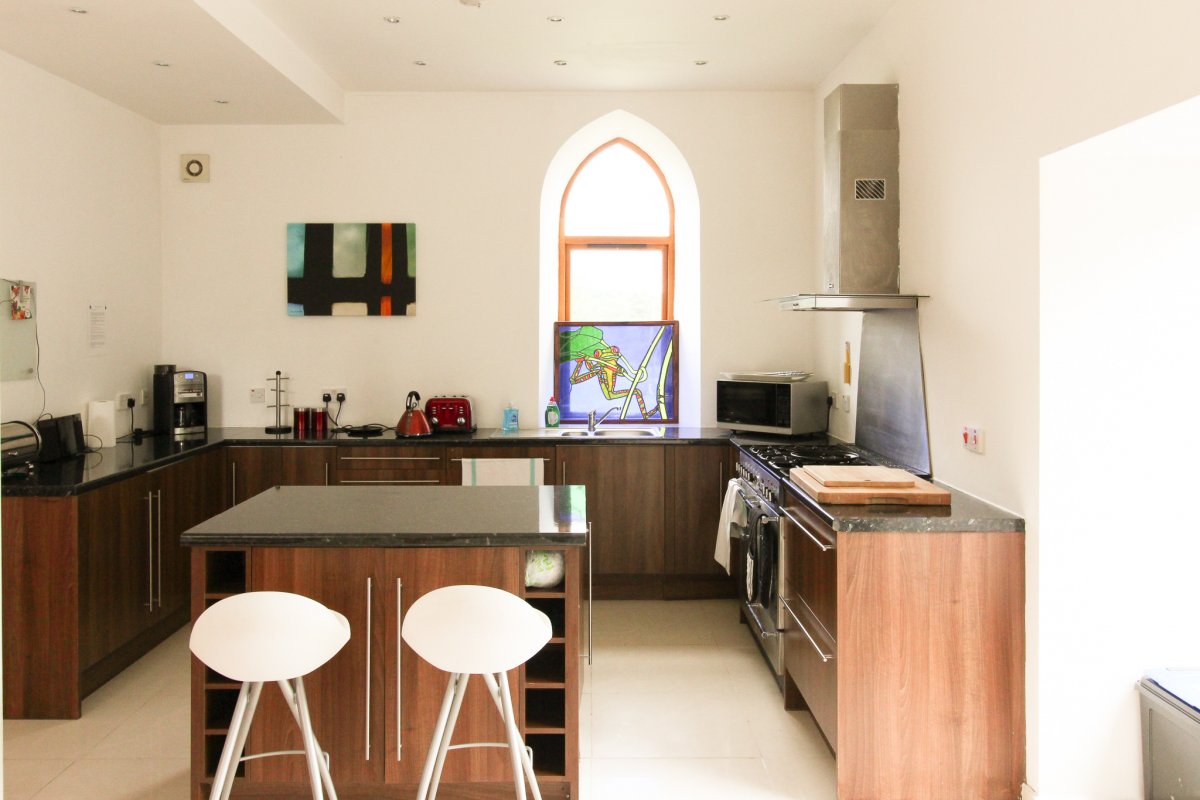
(369, 552)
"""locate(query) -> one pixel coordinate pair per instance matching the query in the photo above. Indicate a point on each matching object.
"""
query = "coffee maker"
(180, 402)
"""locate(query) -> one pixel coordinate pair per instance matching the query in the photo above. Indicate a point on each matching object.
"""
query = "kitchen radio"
(450, 414)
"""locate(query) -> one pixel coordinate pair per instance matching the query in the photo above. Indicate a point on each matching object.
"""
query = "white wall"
(79, 215)
(986, 90)
(1120, 245)
(468, 169)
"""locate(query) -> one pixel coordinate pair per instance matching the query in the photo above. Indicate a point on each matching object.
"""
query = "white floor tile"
(23, 778)
(691, 778)
(678, 704)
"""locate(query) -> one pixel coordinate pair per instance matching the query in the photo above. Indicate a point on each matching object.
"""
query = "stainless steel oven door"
(757, 549)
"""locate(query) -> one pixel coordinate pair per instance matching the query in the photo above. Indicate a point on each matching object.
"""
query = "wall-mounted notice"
(18, 330)
(97, 328)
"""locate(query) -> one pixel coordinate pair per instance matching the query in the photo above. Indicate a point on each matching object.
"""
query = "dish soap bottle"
(552, 415)
(510, 423)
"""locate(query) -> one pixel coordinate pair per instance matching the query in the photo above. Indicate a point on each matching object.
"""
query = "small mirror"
(18, 331)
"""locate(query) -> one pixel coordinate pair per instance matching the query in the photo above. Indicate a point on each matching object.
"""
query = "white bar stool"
(268, 636)
(475, 630)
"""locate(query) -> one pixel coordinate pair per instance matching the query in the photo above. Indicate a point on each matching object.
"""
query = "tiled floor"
(678, 704)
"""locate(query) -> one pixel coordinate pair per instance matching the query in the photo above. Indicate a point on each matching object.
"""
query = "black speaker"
(62, 437)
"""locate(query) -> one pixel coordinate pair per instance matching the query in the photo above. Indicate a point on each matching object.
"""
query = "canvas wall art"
(351, 269)
(630, 366)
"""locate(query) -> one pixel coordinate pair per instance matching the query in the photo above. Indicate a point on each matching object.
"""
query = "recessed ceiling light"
(699, 62)
(720, 17)
(162, 63)
(221, 102)
(421, 63)
(391, 20)
(559, 63)
(78, 10)
(554, 19)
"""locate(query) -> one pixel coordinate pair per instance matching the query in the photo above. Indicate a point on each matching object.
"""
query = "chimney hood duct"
(861, 265)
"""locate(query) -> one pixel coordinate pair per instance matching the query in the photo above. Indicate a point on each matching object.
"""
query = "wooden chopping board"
(874, 477)
(920, 493)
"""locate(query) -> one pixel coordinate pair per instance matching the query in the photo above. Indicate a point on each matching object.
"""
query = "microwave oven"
(765, 404)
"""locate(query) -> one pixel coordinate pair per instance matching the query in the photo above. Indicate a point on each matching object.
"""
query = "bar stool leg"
(239, 739)
(515, 747)
(459, 693)
(439, 731)
(312, 751)
(290, 696)
(235, 726)
(494, 683)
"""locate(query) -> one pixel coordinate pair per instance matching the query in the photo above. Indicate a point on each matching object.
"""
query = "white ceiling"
(292, 61)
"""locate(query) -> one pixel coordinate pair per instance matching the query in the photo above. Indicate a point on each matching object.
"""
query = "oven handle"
(820, 541)
(758, 506)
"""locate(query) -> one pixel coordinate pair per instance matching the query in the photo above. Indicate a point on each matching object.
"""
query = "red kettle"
(413, 421)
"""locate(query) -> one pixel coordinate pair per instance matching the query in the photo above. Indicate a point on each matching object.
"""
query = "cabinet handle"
(589, 549)
(826, 657)
(159, 494)
(564, 473)
(394, 482)
(150, 547)
(326, 473)
(400, 655)
(825, 546)
(233, 484)
(721, 482)
(390, 458)
(367, 733)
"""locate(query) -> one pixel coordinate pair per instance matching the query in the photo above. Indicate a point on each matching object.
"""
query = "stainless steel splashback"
(862, 190)
(891, 390)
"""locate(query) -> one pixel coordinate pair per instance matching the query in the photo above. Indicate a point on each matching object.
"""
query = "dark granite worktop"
(964, 514)
(110, 464)
(400, 516)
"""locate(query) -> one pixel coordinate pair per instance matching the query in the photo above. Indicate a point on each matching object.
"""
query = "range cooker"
(761, 469)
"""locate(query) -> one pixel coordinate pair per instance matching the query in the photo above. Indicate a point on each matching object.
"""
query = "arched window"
(617, 239)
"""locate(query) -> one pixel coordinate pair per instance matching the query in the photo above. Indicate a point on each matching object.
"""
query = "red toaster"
(450, 414)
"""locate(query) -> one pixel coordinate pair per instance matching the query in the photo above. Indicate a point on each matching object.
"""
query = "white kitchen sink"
(583, 433)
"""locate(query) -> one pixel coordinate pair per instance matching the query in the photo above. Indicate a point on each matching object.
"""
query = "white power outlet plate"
(972, 438)
(332, 392)
(845, 403)
(258, 394)
(123, 400)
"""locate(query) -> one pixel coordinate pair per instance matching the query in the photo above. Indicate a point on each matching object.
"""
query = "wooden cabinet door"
(455, 455)
(696, 476)
(346, 694)
(625, 499)
(306, 466)
(116, 538)
(250, 470)
(413, 572)
(185, 495)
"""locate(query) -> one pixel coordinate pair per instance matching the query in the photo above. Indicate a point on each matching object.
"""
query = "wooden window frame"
(665, 243)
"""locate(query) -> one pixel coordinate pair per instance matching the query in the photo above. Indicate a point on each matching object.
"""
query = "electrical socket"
(124, 399)
(141, 397)
(333, 393)
(845, 403)
(258, 394)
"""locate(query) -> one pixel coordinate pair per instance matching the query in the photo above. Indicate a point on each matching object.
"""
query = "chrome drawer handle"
(390, 458)
(392, 482)
(824, 656)
(368, 632)
(818, 540)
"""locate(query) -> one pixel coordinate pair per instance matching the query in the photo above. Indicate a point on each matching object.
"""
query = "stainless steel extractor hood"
(861, 263)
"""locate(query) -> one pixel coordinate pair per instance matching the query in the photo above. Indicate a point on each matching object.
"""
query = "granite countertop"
(110, 464)
(401, 516)
(964, 514)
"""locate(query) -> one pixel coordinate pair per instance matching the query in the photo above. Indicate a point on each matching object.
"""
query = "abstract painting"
(351, 269)
(632, 367)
